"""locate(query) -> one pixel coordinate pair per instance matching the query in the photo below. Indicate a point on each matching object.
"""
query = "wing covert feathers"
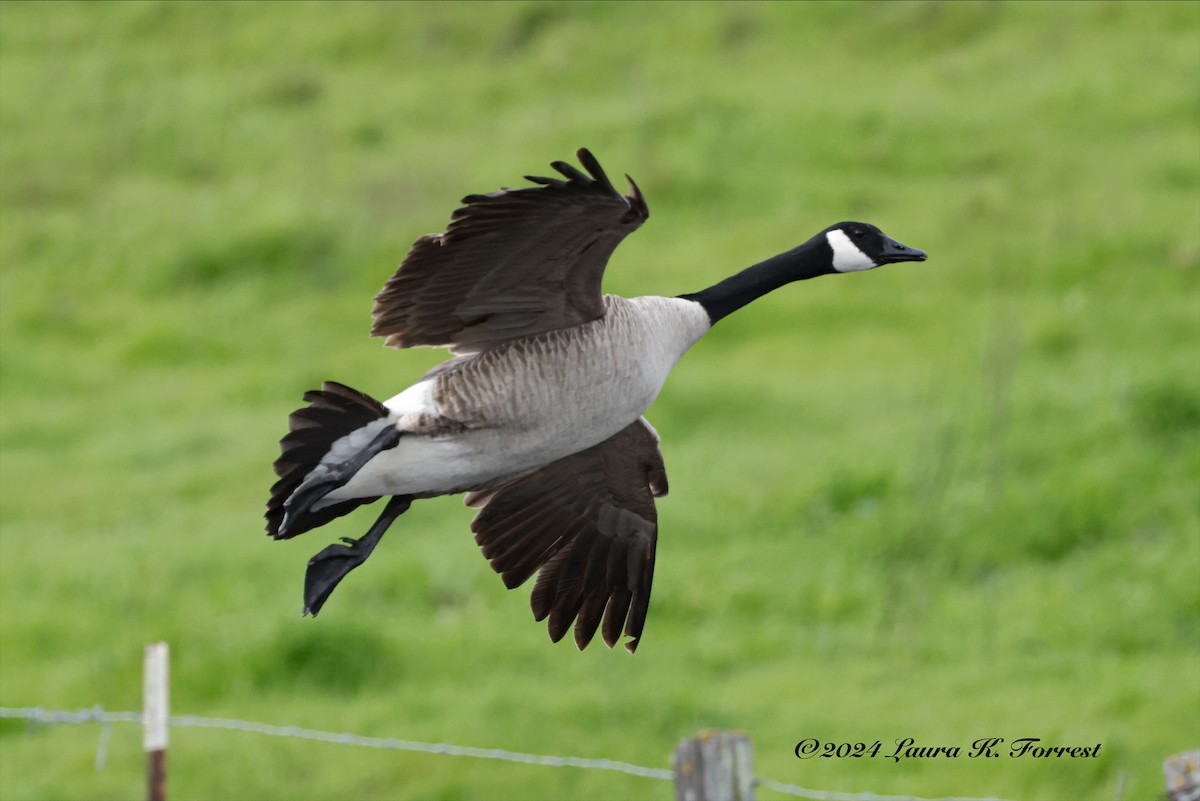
(587, 525)
(511, 264)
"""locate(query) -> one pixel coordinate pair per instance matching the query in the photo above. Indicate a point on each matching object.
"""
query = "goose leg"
(331, 565)
(325, 478)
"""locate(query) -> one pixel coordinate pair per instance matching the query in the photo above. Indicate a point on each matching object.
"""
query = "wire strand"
(97, 714)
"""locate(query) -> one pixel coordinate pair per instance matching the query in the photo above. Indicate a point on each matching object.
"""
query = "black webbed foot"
(330, 566)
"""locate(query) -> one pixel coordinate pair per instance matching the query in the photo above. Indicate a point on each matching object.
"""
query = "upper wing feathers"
(587, 525)
(511, 263)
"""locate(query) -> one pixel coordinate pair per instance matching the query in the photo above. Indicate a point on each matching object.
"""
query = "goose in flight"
(538, 417)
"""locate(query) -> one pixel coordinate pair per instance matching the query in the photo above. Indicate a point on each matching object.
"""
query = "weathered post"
(715, 766)
(155, 710)
(1182, 774)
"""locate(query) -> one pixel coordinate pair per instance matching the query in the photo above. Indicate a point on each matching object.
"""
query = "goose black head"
(861, 246)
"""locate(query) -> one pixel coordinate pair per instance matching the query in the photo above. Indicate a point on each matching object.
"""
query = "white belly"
(526, 404)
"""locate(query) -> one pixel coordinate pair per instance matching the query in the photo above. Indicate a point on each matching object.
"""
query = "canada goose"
(538, 418)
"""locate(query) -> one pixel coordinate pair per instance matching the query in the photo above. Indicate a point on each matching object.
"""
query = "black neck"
(807, 261)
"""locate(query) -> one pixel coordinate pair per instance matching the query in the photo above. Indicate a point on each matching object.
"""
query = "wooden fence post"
(1182, 774)
(715, 766)
(155, 711)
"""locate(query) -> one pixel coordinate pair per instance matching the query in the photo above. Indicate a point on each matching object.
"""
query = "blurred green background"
(945, 501)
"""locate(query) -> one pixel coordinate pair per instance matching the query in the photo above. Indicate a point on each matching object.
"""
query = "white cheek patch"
(847, 258)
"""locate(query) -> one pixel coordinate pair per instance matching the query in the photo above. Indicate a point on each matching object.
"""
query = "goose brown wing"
(586, 524)
(511, 264)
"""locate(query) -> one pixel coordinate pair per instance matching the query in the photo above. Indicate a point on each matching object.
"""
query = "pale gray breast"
(593, 379)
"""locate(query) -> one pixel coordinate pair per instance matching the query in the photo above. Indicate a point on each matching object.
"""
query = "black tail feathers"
(333, 411)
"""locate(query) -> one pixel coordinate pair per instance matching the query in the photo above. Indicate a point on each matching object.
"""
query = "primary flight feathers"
(511, 264)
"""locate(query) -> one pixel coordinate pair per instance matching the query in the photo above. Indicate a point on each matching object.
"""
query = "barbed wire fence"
(97, 714)
(712, 766)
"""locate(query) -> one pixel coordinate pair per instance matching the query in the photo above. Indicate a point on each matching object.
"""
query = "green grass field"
(944, 501)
